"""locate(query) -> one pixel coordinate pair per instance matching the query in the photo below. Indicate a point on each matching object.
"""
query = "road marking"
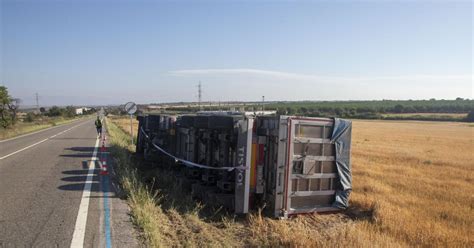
(13, 153)
(37, 143)
(108, 240)
(39, 131)
(81, 220)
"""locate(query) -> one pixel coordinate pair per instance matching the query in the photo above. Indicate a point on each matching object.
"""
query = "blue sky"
(110, 52)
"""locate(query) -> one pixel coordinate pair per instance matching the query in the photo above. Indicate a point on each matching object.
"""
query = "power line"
(199, 96)
(37, 102)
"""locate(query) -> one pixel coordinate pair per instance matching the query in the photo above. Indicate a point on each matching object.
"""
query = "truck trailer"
(286, 165)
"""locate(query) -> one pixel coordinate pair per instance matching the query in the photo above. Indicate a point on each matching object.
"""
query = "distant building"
(80, 111)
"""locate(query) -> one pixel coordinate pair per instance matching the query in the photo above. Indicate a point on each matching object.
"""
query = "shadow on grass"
(171, 196)
(357, 211)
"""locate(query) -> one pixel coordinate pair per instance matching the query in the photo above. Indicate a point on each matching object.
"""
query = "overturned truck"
(285, 164)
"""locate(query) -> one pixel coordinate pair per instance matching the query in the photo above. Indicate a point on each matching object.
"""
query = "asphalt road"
(42, 199)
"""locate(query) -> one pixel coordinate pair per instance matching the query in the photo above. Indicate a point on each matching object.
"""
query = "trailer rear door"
(307, 173)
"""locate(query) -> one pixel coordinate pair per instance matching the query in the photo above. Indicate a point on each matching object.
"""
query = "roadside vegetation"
(428, 116)
(25, 127)
(412, 187)
(15, 121)
(423, 110)
(8, 108)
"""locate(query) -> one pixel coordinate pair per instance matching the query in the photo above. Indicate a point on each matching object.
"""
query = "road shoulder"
(124, 233)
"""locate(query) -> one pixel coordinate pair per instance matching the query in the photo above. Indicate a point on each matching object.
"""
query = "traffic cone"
(103, 168)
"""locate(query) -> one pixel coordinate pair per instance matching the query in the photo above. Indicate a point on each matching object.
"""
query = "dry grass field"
(413, 186)
(21, 128)
(124, 124)
(458, 115)
(419, 178)
(427, 116)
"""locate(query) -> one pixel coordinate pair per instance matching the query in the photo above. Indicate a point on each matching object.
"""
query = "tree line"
(363, 109)
(376, 109)
(9, 108)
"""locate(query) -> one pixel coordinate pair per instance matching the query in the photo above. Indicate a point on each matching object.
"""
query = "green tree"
(470, 116)
(54, 111)
(70, 111)
(13, 107)
(303, 110)
(290, 111)
(8, 108)
(398, 108)
(281, 110)
(30, 117)
(5, 117)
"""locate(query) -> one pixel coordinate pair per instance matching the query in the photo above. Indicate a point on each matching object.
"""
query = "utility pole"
(263, 102)
(37, 102)
(199, 96)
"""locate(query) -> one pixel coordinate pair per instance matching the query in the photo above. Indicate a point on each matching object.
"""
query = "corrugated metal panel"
(310, 180)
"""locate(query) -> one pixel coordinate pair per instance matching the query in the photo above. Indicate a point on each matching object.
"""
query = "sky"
(84, 52)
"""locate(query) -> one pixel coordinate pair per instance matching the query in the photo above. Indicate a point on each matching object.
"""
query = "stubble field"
(419, 178)
(412, 186)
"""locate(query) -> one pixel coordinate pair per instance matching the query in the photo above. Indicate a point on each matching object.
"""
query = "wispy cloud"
(296, 86)
(249, 72)
(279, 75)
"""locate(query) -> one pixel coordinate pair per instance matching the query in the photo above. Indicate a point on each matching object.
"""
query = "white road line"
(81, 221)
(39, 131)
(13, 153)
(37, 143)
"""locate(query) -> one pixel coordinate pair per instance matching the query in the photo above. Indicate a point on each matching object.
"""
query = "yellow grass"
(124, 124)
(459, 115)
(420, 175)
(428, 116)
(25, 127)
(413, 186)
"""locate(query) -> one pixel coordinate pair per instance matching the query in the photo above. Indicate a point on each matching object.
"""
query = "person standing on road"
(98, 125)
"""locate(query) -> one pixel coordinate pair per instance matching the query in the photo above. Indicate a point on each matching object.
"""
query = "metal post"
(131, 128)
